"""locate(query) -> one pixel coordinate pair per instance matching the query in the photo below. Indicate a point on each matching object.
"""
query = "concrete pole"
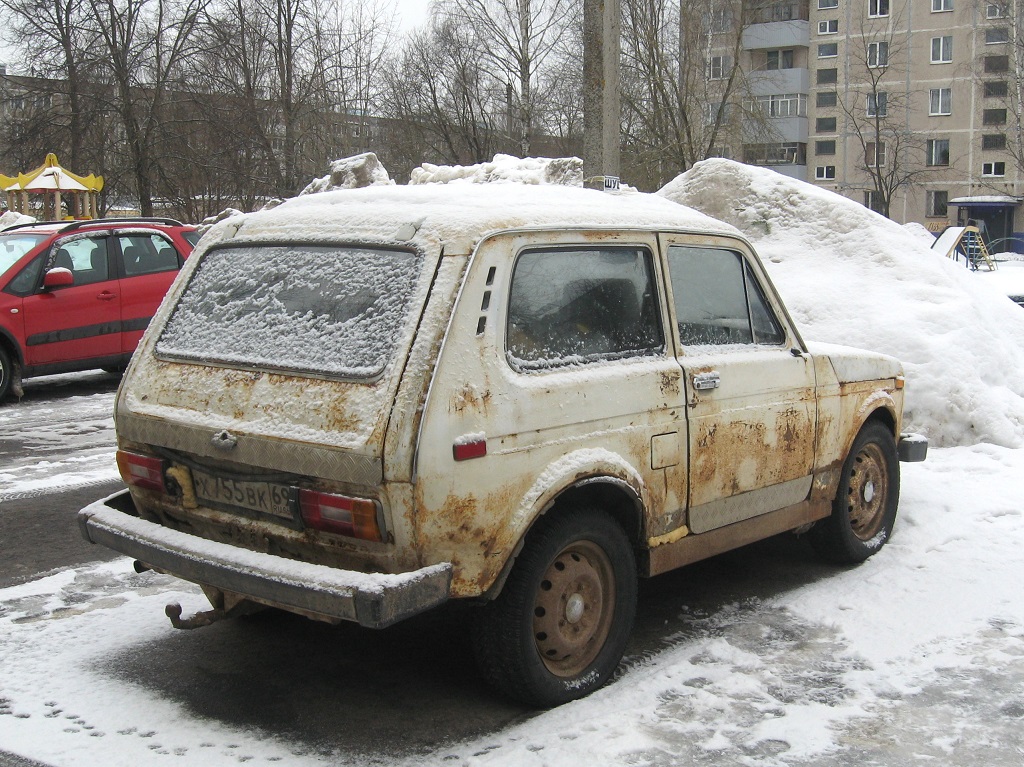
(602, 29)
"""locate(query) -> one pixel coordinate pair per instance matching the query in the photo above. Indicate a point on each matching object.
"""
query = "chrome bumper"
(371, 599)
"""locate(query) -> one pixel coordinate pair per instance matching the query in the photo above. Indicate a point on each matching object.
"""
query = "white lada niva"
(364, 403)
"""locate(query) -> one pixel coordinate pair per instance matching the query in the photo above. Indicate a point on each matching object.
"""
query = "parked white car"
(364, 403)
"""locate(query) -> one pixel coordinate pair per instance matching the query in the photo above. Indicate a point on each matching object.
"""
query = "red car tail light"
(142, 470)
(341, 514)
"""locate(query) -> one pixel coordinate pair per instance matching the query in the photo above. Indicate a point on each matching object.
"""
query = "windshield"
(14, 246)
(319, 310)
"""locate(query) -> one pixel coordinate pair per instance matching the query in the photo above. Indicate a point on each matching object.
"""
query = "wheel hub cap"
(869, 492)
(574, 608)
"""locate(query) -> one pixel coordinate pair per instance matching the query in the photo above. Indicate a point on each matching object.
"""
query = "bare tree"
(876, 105)
(682, 75)
(146, 42)
(516, 39)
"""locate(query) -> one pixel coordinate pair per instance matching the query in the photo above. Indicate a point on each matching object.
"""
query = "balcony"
(777, 34)
(766, 13)
(766, 82)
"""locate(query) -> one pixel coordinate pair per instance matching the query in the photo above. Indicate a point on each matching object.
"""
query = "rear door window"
(328, 311)
(577, 305)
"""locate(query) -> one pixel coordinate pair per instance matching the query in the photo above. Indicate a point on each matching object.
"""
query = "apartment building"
(908, 106)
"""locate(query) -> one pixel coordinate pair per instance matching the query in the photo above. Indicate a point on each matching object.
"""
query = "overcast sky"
(411, 13)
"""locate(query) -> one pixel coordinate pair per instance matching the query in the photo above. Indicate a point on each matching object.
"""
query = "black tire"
(864, 509)
(559, 627)
(6, 373)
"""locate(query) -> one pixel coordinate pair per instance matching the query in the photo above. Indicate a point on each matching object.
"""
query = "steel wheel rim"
(868, 492)
(575, 605)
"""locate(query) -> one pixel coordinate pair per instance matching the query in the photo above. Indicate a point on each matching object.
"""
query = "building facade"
(908, 106)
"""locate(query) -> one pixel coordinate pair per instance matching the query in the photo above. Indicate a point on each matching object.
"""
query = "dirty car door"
(750, 388)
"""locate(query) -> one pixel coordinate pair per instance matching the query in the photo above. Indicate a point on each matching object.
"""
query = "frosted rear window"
(318, 310)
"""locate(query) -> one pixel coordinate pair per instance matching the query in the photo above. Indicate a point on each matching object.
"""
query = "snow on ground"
(41, 452)
(851, 276)
(915, 656)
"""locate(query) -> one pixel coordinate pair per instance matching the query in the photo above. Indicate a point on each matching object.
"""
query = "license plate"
(265, 497)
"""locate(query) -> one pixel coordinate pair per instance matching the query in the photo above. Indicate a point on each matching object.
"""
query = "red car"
(78, 295)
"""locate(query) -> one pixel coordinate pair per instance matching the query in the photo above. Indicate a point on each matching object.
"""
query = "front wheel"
(559, 627)
(864, 509)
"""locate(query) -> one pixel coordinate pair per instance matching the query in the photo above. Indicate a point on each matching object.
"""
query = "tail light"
(141, 470)
(341, 514)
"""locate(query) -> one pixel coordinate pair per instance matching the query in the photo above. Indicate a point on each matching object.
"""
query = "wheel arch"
(597, 479)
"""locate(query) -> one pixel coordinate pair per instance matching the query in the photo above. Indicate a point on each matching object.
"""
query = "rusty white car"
(362, 404)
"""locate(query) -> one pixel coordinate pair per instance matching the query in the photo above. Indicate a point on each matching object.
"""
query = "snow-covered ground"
(914, 657)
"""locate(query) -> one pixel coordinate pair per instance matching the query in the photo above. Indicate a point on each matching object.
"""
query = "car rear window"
(327, 311)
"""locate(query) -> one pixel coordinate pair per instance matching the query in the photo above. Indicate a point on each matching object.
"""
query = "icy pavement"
(915, 657)
(58, 441)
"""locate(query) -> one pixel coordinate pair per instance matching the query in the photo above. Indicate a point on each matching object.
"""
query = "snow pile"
(351, 173)
(564, 171)
(852, 277)
(13, 218)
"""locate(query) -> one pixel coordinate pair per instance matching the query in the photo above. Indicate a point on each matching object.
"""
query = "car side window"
(718, 299)
(86, 258)
(147, 254)
(577, 305)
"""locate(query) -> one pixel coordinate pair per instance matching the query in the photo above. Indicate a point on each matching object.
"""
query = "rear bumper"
(371, 599)
(912, 448)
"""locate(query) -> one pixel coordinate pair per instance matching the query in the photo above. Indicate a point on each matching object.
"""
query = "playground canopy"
(56, 185)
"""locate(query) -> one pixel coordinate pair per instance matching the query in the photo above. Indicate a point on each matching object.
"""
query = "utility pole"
(602, 29)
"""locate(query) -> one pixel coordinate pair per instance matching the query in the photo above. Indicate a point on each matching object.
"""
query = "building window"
(825, 172)
(995, 88)
(993, 141)
(940, 101)
(828, 50)
(779, 59)
(993, 169)
(873, 201)
(826, 99)
(825, 147)
(827, 76)
(994, 11)
(878, 54)
(878, 104)
(997, 64)
(993, 117)
(775, 154)
(824, 5)
(829, 27)
(938, 6)
(997, 35)
(938, 152)
(721, 20)
(874, 154)
(718, 67)
(942, 49)
(937, 203)
(825, 125)
(783, 105)
(878, 8)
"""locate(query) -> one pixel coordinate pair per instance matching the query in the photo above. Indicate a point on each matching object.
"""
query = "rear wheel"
(559, 627)
(6, 373)
(864, 509)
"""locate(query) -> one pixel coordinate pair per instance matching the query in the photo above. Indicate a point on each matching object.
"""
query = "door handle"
(106, 295)
(705, 381)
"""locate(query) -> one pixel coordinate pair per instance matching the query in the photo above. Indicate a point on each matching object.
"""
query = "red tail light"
(355, 517)
(141, 470)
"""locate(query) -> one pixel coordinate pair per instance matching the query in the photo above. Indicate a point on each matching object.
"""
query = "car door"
(149, 262)
(750, 388)
(80, 321)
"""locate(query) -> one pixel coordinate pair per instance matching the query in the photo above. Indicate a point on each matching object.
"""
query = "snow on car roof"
(466, 211)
